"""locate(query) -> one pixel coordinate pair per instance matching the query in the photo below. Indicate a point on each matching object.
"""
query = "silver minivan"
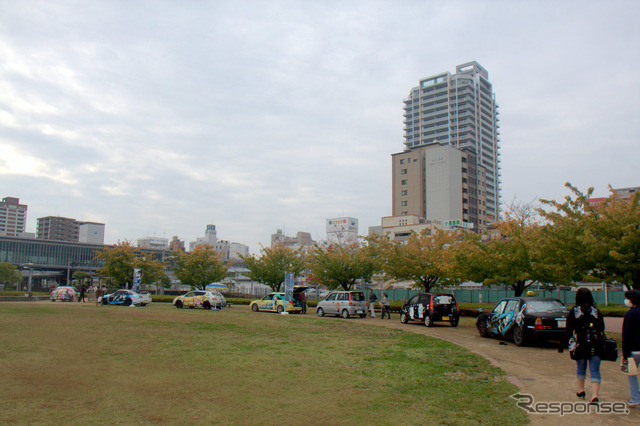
(344, 303)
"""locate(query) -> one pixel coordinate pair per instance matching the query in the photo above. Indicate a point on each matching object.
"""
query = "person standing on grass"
(81, 298)
(583, 337)
(385, 306)
(631, 343)
(372, 303)
(303, 302)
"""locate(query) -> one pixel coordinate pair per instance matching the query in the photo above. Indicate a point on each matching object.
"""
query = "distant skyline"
(158, 118)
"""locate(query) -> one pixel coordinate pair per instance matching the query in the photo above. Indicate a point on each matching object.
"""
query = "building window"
(403, 182)
(402, 161)
(403, 171)
(404, 204)
(404, 192)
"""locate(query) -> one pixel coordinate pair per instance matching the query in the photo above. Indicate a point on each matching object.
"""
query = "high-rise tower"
(457, 111)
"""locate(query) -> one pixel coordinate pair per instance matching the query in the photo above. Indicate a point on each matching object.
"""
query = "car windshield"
(540, 306)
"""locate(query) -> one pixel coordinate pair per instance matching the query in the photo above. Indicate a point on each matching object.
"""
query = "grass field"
(84, 364)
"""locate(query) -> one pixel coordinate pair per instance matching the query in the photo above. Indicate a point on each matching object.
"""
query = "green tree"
(81, 276)
(594, 242)
(425, 258)
(121, 259)
(510, 255)
(200, 267)
(341, 265)
(270, 268)
(9, 274)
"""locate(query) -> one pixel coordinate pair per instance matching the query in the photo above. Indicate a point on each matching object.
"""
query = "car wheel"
(345, 313)
(254, 307)
(404, 318)
(483, 329)
(518, 336)
(363, 315)
(280, 309)
(454, 322)
(127, 302)
(428, 321)
(178, 304)
(320, 312)
(104, 301)
(206, 305)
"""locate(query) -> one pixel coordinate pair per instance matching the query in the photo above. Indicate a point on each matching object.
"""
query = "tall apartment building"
(302, 239)
(13, 217)
(451, 133)
(57, 228)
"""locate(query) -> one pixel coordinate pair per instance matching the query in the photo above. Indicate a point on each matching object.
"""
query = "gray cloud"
(161, 117)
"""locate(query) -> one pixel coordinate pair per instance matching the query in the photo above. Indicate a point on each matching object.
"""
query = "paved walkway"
(542, 372)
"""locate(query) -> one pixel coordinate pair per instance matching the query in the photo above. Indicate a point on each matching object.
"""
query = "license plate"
(445, 318)
(359, 311)
(562, 323)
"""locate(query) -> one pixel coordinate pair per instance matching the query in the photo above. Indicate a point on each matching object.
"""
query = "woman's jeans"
(634, 392)
(594, 368)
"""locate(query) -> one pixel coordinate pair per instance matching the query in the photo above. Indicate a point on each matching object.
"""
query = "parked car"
(206, 299)
(524, 319)
(276, 302)
(343, 303)
(126, 297)
(64, 294)
(430, 308)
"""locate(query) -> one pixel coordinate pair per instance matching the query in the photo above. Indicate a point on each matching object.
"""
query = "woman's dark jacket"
(587, 324)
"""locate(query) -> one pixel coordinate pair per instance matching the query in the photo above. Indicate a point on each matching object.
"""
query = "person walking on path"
(303, 301)
(385, 306)
(81, 297)
(631, 343)
(583, 337)
(372, 303)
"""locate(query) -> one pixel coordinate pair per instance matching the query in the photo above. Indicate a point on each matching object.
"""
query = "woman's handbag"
(609, 350)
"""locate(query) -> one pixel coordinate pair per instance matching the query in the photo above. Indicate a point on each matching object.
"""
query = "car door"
(412, 306)
(342, 302)
(187, 299)
(494, 318)
(266, 303)
(508, 316)
(329, 304)
(199, 298)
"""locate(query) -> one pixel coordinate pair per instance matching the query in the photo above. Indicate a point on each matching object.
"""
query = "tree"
(594, 242)
(9, 274)
(272, 265)
(341, 265)
(200, 267)
(121, 259)
(81, 276)
(426, 258)
(511, 255)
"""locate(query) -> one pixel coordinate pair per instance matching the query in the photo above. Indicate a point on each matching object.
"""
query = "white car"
(126, 297)
(206, 299)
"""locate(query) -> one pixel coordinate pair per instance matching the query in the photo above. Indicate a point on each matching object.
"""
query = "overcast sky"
(159, 117)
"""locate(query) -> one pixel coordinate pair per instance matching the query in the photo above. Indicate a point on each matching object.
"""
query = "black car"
(524, 319)
(429, 308)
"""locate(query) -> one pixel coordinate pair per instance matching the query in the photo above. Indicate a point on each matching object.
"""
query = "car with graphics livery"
(64, 294)
(277, 302)
(206, 299)
(343, 303)
(429, 308)
(524, 320)
(126, 298)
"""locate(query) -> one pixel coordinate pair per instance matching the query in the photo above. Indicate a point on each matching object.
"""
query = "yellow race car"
(276, 302)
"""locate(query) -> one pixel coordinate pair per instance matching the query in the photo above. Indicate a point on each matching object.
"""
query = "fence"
(568, 297)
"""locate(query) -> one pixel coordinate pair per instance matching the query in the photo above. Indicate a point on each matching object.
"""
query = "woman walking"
(583, 337)
(631, 343)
